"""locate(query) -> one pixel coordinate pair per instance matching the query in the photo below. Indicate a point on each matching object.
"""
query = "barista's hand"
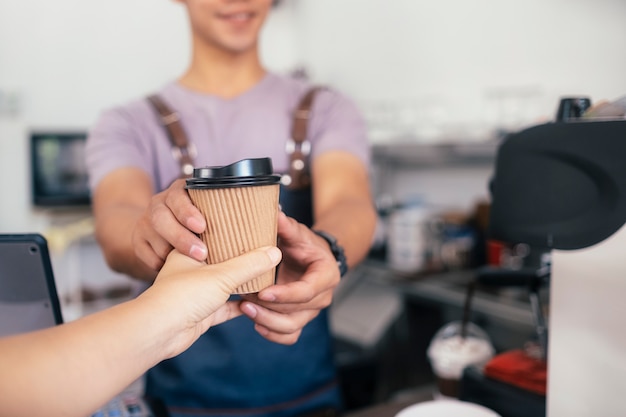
(171, 221)
(306, 279)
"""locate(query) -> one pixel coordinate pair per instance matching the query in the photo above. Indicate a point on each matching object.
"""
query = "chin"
(239, 45)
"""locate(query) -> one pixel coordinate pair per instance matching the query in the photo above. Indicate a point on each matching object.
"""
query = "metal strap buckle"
(189, 150)
(291, 146)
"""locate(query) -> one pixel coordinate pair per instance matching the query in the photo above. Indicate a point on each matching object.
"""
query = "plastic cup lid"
(246, 172)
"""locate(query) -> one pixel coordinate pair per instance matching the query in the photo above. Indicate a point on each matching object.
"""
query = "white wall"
(67, 59)
(465, 61)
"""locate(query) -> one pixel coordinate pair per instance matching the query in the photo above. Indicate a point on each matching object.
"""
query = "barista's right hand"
(171, 221)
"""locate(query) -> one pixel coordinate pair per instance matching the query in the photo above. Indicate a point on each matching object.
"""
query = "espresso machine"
(560, 188)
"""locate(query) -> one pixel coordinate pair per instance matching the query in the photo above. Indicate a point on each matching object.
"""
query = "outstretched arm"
(73, 369)
(344, 206)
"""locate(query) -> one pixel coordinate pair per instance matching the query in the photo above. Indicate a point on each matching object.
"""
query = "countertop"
(395, 405)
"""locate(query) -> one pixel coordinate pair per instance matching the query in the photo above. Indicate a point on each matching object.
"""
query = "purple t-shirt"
(253, 125)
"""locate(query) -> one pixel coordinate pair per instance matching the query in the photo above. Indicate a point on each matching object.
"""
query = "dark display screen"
(58, 169)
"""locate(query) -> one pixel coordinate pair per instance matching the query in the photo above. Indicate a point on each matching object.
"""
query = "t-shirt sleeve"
(337, 124)
(115, 142)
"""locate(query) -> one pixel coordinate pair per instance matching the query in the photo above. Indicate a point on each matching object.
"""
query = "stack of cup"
(240, 204)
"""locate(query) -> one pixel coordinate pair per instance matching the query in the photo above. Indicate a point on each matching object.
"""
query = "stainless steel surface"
(449, 288)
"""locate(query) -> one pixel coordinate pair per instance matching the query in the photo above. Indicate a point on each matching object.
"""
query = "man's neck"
(222, 74)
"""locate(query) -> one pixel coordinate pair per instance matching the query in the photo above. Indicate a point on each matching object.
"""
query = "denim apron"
(233, 371)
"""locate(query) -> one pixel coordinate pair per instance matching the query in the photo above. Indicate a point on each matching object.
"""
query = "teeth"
(240, 16)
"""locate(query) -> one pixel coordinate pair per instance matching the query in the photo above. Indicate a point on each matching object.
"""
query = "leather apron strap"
(298, 175)
(182, 150)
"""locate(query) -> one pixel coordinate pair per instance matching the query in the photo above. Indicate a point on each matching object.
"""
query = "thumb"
(241, 269)
(287, 228)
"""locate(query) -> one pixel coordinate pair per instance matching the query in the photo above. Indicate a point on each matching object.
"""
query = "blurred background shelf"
(414, 154)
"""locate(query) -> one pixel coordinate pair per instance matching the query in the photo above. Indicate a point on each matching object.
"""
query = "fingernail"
(249, 310)
(198, 252)
(274, 254)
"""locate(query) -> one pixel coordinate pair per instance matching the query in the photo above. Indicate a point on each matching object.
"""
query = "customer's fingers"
(241, 269)
(228, 311)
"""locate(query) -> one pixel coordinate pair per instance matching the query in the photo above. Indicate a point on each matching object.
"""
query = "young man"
(280, 362)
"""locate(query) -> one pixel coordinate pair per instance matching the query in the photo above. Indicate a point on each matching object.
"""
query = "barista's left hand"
(305, 282)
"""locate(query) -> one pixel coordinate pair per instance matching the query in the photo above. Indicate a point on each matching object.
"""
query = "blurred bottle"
(408, 238)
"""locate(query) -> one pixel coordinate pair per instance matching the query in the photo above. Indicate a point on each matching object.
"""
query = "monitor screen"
(58, 169)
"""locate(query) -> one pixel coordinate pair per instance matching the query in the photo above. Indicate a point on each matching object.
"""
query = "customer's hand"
(306, 279)
(171, 221)
(193, 295)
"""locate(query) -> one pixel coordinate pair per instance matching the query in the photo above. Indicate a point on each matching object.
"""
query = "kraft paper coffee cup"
(240, 204)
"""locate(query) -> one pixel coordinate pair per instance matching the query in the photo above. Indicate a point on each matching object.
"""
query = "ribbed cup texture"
(239, 219)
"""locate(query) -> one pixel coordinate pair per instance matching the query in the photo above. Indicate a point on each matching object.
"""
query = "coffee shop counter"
(505, 313)
(393, 317)
(393, 406)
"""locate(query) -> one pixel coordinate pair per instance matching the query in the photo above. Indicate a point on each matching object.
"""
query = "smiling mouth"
(237, 17)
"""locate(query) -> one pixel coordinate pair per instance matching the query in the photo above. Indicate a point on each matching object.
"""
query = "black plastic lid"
(247, 172)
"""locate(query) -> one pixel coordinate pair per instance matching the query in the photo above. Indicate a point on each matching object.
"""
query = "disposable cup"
(450, 352)
(240, 205)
